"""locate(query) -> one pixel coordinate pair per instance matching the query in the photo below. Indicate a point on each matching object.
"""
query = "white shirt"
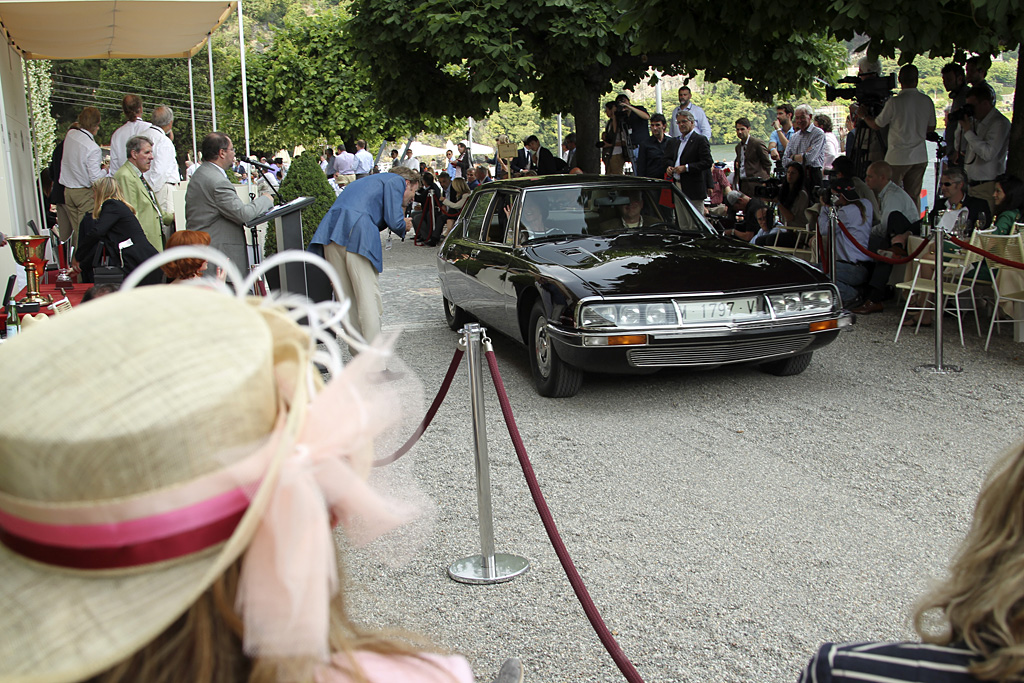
(412, 162)
(985, 151)
(831, 149)
(165, 163)
(700, 120)
(120, 138)
(859, 227)
(909, 115)
(80, 165)
(364, 162)
(894, 198)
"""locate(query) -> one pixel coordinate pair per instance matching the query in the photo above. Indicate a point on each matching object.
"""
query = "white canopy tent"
(475, 149)
(88, 29)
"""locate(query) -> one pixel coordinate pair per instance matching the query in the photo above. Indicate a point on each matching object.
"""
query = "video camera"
(771, 187)
(870, 94)
(964, 111)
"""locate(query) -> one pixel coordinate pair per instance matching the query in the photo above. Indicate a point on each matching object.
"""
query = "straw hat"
(123, 422)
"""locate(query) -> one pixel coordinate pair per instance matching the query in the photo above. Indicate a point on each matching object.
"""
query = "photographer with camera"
(910, 116)
(782, 131)
(852, 267)
(806, 147)
(746, 228)
(986, 137)
(955, 83)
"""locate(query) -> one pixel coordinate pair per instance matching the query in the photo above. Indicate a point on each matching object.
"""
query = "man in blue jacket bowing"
(349, 238)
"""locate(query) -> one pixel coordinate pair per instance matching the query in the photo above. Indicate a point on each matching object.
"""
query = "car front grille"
(717, 352)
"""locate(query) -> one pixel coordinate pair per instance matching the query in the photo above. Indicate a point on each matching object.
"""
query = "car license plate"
(724, 309)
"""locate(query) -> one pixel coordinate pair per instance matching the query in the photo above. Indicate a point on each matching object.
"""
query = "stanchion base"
(936, 370)
(472, 569)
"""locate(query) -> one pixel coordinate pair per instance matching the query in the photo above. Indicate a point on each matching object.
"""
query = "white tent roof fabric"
(105, 29)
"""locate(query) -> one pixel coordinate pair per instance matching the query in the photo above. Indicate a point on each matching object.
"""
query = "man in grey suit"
(213, 206)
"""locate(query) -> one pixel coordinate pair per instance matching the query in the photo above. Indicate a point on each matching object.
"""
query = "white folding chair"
(960, 273)
(1010, 247)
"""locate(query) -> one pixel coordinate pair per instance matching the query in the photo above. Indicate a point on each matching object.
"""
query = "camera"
(870, 94)
(961, 113)
(768, 189)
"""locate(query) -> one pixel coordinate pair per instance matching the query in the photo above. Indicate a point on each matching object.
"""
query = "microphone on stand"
(257, 164)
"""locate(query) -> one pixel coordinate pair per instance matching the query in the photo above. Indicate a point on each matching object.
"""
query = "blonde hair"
(204, 645)
(982, 601)
(461, 186)
(103, 189)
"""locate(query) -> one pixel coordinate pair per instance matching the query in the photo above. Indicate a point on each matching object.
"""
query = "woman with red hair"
(186, 268)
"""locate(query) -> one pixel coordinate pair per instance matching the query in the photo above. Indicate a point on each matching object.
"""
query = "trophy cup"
(64, 250)
(29, 251)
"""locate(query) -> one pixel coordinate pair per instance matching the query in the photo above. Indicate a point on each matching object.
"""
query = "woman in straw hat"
(972, 623)
(175, 522)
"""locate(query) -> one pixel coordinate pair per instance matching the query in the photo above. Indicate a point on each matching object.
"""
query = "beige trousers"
(78, 201)
(360, 285)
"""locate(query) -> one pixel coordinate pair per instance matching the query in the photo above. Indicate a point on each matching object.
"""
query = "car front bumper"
(709, 346)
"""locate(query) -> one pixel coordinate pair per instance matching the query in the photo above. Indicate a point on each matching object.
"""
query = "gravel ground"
(726, 522)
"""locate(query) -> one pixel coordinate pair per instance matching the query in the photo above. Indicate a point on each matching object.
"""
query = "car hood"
(635, 264)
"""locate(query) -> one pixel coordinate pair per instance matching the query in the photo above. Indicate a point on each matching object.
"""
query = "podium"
(297, 278)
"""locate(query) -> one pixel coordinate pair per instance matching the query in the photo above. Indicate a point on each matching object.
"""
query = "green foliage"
(304, 179)
(306, 84)
(37, 87)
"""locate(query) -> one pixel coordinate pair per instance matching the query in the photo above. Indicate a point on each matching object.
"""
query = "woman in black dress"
(113, 227)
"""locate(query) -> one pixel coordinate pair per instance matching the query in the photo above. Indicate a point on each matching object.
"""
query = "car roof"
(564, 180)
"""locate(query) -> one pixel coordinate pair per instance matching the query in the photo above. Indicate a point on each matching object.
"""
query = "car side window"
(477, 219)
(497, 226)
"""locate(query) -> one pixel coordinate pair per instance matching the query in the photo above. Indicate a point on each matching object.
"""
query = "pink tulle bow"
(289, 573)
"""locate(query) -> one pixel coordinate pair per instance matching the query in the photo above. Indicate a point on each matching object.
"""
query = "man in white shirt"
(700, 119)
(344, 166)
(364, 160)
(131, 105)
(80, 167)
(410, 161)
(986, 139)
(163, 173)
(806, 146)
(910, 116)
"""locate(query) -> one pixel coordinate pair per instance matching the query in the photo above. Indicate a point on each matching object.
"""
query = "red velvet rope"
(431, 412)
(878, 257)
(578, 587)
(981, 252)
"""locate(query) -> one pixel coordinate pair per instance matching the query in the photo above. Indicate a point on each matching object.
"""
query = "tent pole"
(470, 140)
(209, 54)
(192, 106)
(245, 87)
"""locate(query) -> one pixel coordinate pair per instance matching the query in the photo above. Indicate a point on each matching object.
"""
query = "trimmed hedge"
(305, 179)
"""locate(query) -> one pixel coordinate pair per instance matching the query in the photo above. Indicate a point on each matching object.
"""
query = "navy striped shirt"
(888, 663)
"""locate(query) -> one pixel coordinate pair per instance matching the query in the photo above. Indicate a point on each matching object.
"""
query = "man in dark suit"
(534, 159)
(953, 188)
(752, 159)
(658, 151)
(213, 206)
(691, 159)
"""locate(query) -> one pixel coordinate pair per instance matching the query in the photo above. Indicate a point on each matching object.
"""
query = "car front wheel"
(786, 367)
(455, 316)
(552, 376)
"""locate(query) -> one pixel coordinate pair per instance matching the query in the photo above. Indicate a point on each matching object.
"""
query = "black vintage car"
(622, 274)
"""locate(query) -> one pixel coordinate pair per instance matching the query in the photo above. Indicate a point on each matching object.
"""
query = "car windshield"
(556, 213)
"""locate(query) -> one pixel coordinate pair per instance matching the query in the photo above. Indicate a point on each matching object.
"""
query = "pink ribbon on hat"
(289, 573)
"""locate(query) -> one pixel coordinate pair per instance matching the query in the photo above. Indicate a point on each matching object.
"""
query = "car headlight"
(797, 303)
(628, 315)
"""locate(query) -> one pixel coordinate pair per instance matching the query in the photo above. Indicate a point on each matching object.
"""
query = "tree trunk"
(587, 112)
(1015, 162)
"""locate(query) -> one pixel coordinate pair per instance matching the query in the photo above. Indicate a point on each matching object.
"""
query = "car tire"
(455, 316)
(552, 376)
(787, 367)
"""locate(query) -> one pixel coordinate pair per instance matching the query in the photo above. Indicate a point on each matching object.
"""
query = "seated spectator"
(720, 185)
(768, 232)
(186, 269)
(452, 207)
(792, 200)
(746, 227)
(953, 188)
(481, 175)
(852, 267)
(97, 291)
(112, 227)
(1009, 198)
(968, 623)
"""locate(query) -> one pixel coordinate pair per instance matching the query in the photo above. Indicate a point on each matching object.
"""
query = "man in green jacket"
(138, 193)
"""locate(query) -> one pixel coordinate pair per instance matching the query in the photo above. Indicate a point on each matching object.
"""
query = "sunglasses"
(948, 184)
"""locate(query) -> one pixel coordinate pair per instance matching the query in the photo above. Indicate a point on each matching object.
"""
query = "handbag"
(104, 272)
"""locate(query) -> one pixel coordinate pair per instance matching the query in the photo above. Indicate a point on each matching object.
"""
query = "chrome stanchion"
(833, 226)
(940, 306)
(488, 566)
